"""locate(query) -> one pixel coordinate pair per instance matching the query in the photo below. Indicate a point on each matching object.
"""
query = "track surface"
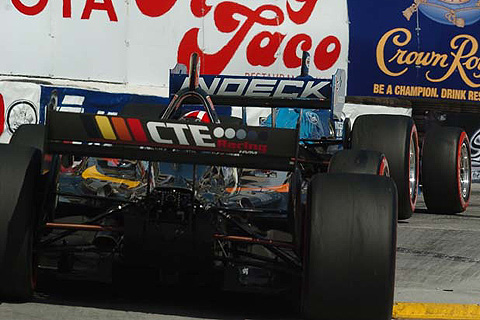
(438, 261)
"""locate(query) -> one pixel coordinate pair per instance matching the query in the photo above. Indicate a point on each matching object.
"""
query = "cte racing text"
(203, 137)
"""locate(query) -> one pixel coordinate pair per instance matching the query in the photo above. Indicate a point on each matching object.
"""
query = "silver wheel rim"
(465, 172)
(413, 170)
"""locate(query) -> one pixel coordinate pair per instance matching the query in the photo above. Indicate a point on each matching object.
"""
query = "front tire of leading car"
(349, 256)
(397, 138)
(446, 170)
(19, 176)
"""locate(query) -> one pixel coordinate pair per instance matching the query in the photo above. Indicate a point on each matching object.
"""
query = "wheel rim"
(465, 172)
(413, 170)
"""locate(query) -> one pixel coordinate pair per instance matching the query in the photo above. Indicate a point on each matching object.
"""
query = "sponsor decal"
(178, 134)
(461, 60)
(115, 128)
(21, 112)
(264, 88)
(225, 139)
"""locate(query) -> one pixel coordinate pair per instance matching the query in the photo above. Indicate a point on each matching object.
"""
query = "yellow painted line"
(105, 127)
(438, 311)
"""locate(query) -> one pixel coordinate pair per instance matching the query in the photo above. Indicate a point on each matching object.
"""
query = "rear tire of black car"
(349, 261)
(446, 170)
(29, 135)
(359, 161)
(295, 208)
(397, 138)
(19, 172)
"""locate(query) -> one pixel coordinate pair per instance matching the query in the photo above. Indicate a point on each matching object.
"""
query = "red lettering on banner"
(67, 8)
(290, 58)
(238, 20)
(232, 19)
(107, 5)
(325, 59)
(30, 10)
(301, 16)
(2, 114)
(225, 22)
(155, 8)
(258, 55)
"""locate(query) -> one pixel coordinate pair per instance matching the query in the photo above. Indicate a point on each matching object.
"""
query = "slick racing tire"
(30, 135)
(446, 170)
(295, 208)
(359, 161)
(397, 138)
(19, 174)
(33, 135)
(350, 247)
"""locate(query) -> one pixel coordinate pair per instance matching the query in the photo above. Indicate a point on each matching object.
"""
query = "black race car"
(262, 209)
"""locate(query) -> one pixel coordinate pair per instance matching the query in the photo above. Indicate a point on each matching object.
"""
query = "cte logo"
(231, 18)
(226, 139)
(178, 135)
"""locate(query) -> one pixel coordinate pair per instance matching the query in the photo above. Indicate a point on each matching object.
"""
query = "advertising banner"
(25, 103)
(74, 100)
(415, 49)
(136, 42)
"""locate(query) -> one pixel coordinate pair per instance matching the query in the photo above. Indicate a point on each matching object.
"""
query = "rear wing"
(303, 92)
(212, 143)
(170, 141)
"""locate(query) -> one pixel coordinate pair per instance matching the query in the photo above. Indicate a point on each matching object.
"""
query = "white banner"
(136, 42)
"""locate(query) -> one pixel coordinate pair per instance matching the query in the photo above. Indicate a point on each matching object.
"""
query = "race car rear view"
(270, 208)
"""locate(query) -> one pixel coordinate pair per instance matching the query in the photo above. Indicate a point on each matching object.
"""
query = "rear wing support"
(339, 93)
